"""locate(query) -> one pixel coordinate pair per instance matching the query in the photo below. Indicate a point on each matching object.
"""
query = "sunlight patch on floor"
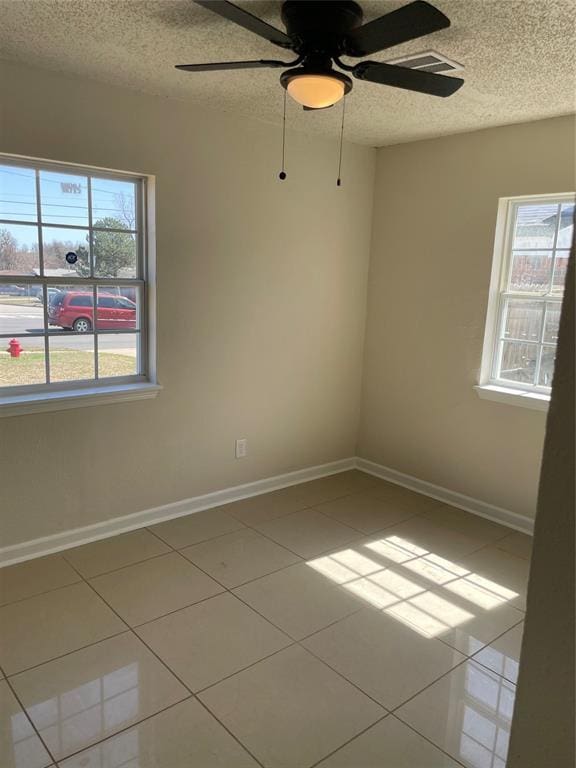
(381, 584)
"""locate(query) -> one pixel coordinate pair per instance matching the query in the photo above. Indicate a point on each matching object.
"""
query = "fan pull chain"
(339, 180)
(282, 174)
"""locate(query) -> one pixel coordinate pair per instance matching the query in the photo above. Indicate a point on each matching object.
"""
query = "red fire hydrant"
(14, 348)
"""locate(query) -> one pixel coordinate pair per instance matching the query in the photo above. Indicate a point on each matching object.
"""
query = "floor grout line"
(463, 661)
(127, 728)
(202, 600)
(181, 608)
(489, 642)
(363, 533)
(349, 741)
(131, 630)
(177, 677)
(193, 515)
(337, 672)
(27, 716)
(476, 661)
(373, 725)
(294, 641)
(292, 644)
(426, 738)
(224, 588)
(262, 576)
(68, 653)
(283, 631)
(120, 567)
(394, 709)
(39, 594)
(231, 592)
(236, 739)
(343, 676)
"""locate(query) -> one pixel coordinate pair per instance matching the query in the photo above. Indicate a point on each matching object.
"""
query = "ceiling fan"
(320, 32)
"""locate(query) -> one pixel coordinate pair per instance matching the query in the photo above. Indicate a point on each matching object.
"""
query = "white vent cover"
(427, 61)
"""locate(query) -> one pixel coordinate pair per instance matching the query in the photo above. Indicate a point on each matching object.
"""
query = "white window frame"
(33, 398)
(489, 386)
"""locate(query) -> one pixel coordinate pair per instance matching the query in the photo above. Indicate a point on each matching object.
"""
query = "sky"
(64, 200)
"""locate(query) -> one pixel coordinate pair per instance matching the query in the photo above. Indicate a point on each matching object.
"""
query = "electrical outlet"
(241, 448)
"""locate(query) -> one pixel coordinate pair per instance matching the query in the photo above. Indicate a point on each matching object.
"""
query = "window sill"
(17, 405)
(510, 396)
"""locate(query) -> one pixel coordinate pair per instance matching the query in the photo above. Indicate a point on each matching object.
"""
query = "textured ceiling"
(519, 57)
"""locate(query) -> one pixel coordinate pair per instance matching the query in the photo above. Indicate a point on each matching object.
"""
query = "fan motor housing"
(320, 25)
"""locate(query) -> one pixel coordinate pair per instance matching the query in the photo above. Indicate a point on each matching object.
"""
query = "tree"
(8, 250)
(113, 251)
(125, 205)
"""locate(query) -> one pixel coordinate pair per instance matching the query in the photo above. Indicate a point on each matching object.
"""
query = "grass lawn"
(64, 366)
(21, 301)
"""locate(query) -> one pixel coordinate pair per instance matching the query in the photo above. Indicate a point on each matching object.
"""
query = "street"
(19, 321)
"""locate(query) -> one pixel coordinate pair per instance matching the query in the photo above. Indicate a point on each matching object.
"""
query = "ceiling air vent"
(427, 61)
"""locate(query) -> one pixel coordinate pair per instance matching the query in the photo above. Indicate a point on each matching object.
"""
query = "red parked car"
(73, 310)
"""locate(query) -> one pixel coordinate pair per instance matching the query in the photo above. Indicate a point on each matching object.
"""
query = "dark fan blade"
(232, 65)
(410, 79)
(406, 23)
(247, 20)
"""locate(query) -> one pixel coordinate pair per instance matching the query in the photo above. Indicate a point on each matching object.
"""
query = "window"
(71, 239)
(82, 301)
(533, 241)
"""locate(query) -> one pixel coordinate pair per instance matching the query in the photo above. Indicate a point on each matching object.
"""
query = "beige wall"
(434, 219)
(261, 306)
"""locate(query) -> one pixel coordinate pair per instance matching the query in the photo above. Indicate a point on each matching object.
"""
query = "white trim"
(498, 294)
(534, 400)
(492, 311)
(46, 545)
(34, 402)
(28, 550)
(467, 503)
(35, 398)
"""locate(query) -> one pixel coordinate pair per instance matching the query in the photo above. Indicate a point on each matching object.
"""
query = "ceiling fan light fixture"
(316, 90)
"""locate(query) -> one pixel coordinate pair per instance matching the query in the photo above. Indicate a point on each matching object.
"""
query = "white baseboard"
(47, 545)
(28, 550)
(477, 507)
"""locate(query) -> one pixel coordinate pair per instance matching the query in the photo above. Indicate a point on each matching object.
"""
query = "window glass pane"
(552, 323)
(113, 204)
(523, 320)
(518, 362)
(81, 301)
(21, 309)
(70, 309)
(118, 354)
(531, 271)
(57, 244)
(71, 357)
(17, 193)
(560, 267)
(535, 225)
(566, 232)
(64, 198)
(24, 363)
(19, 250)
(109, 250)
(547, 366)
(114, 254)
(118, 308)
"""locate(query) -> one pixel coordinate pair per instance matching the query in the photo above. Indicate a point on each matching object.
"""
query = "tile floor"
(340, 623)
